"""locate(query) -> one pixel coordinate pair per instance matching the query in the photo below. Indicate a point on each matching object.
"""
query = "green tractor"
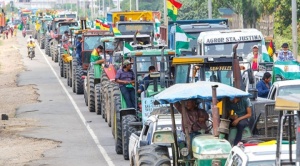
(42, 31)
(108, 87)
(208, 146)
(122, 116)
(66, 62)
(94, 73)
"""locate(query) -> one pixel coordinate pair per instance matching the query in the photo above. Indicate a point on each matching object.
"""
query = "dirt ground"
(16, 150)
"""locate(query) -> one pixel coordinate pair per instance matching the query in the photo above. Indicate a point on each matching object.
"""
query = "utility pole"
(130, 5)
(137, 4)
(209, 9)
(103, 8)
(166, 22)
(294, 28)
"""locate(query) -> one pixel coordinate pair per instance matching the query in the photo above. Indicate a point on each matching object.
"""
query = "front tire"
(153, 155)
(126, 132)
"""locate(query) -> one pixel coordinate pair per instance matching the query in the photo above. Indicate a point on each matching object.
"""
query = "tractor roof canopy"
(289, 102)
(202, 59)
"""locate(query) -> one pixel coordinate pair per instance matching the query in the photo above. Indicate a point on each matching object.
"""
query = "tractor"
(108, 77)
(53, 37)
(42, 31)
(69, 68)
(208, 146)
(121, 116)
(91, 40)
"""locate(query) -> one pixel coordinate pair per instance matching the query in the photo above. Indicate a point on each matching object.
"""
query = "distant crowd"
(5, 31)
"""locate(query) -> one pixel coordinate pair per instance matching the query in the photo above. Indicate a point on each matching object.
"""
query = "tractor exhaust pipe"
(236, 69)
(162, 69)
(215, 111)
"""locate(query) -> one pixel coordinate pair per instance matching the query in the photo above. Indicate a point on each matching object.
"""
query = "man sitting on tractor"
(196, 118)
(125, 78)
(145, 83)
(65, 38)
(285, 54)
(242, 110)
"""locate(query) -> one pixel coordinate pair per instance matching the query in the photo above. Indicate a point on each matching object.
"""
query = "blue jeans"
(129, 96)
(78, 57)
(240, 128)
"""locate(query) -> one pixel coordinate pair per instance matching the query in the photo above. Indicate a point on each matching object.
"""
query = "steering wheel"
(208, 127)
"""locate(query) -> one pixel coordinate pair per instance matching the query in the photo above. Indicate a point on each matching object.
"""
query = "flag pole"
(175, 24)
(166, 22)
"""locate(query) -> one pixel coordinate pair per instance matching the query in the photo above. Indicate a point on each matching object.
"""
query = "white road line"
(95, 138)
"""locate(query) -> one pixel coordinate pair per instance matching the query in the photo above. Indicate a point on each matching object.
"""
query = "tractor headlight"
(184, 152)
(216, 163)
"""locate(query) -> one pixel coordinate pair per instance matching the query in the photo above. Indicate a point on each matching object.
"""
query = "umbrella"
(199, 90)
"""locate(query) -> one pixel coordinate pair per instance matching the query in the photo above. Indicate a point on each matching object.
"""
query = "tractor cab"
(91, 40)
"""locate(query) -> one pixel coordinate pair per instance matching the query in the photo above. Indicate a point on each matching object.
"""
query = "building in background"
(235, 21)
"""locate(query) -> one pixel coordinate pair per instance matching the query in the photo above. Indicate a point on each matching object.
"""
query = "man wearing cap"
(254, 58)
(285, 54)
(125, 78)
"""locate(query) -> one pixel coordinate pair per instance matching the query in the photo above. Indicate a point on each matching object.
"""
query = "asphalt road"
(63, 116)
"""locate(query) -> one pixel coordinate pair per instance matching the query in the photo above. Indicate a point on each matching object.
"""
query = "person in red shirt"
(254, 58)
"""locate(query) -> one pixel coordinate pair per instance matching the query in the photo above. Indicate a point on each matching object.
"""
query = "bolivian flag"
(173, 7)
(104, 26)
(98, 24)
(271, 50)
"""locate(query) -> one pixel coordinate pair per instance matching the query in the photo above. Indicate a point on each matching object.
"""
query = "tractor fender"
(110, 72)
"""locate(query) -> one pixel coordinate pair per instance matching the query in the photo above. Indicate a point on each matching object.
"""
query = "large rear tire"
(91, 91)
(61, 68)
(74, 66)
(79, 80)
(153, 155)
(104, 82)
(108, 105)
(116, 93)
(126, 132)
(97, 99)
(118, 129)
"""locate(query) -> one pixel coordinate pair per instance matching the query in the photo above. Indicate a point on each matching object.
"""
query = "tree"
(247, 8)
(193, 9)
(152, 5)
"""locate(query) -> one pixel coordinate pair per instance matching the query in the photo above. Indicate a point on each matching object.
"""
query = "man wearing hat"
(254, 58)
(125, 78)
(285, 54)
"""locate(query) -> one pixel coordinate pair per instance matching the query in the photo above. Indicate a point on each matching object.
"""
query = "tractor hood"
(207, 148)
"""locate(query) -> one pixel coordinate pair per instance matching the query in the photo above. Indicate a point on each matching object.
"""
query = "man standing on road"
(285, 54)
(125, 79)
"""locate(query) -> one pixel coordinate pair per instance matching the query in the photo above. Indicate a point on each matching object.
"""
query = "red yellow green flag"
(271, 50)
(98, 24)
(173, 7)
(104, 26)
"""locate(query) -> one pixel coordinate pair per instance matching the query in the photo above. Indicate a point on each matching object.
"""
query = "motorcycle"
(31, 52)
